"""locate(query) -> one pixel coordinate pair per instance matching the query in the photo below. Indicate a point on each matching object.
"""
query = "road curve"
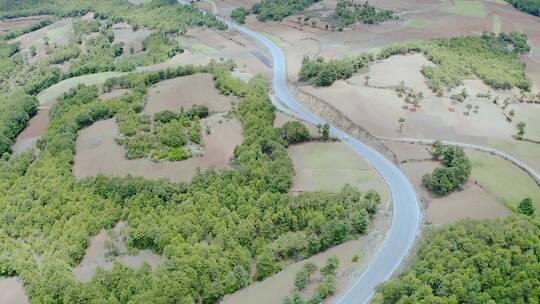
(528, 169)
(406, 217)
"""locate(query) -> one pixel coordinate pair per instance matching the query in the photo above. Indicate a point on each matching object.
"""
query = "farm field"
(329, 166)
(62, 87)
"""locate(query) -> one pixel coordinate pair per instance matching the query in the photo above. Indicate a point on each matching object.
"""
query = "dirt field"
(123, 33)
(62, 87)
(13, 291)
(329, 166)
(473, 202)
(58, 34)
(19, 23)
(98, 153)
(187, 57)
(228, 45)
(36, 127)
(184, 92)
(502, 179)
(98, 253)
(281, 285)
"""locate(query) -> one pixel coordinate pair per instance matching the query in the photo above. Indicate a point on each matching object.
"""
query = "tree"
(330, 266)
(526, 207)
(521, 129)
(294, 132)
(476, 108)
(326, 131)
(401, 122)
(511, 114)
(469, 107)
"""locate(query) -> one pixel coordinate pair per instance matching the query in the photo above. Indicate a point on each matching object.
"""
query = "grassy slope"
(504, 180)
(65, 85)
(334, 164)
(468, 8)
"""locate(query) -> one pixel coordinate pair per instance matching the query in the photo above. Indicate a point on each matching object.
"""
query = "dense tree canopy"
(490, 261)
(277, 10)
(529, 6)
(218, 234)
(454, 173)
(492, 58)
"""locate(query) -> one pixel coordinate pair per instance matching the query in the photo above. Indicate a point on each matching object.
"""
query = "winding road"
(406, 217)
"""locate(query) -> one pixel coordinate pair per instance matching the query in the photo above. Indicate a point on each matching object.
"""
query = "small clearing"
(35, 128)
(184, 92)
(109, 246)
(183, 59)
(390, 72)
(502, 179)
(123, 33)
(13, 291)
(19, 23)
(98, 153)
(329, 166)
(64, 86)
(473, 202)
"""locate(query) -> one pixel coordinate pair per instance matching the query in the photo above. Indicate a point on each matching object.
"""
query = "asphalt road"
(406, 216)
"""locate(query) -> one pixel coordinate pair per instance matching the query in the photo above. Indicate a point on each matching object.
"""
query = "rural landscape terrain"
(269, 151)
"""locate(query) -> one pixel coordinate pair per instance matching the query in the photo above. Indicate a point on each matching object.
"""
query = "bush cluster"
(348, 12)
(455, 173)
(489, 261)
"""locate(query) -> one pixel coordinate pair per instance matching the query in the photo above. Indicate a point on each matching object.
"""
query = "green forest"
(492, 58)
(20, 80)
(223, 231)
(277, 10)
(529, 6)
(489, 261)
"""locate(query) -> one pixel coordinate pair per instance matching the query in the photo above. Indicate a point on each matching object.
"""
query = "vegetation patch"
(488, 261)
(170, 137)
(529, 6)
(492, 58)
(220, 230)
(469, 8)
(454, 174)
(272, 10)
(349, 12)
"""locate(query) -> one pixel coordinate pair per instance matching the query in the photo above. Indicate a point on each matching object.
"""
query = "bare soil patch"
(13, 291)
(123, 32)
(392, 71)
(98, 153)
(473, 202)
(329, 166)
(35, 128)
(184, 92)
(58, 34)
(19, 23)
(109, 246)
(187, 57)
(228, 45)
